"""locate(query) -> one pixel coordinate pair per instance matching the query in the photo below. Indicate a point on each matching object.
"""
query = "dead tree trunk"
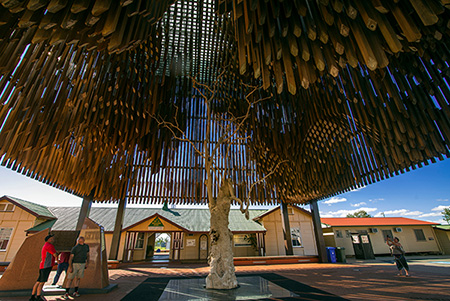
(222, 273)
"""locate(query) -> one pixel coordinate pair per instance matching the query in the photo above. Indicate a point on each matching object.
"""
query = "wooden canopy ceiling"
(357, 92)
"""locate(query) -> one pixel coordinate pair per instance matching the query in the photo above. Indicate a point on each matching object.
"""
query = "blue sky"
(419, 194)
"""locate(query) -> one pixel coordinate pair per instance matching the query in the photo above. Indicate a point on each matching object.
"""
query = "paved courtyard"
(356, 280)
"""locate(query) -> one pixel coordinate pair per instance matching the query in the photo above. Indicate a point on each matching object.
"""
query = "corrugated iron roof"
(267, 212)
(443, 227)
(42, 226)
(33, 208)
(194, 220)
(373, 221)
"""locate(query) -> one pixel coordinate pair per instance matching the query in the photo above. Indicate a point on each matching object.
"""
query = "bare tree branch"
(271, 172)
(184, 138)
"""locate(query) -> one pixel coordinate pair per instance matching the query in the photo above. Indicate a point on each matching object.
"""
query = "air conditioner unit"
(398, 229)
(373, 230)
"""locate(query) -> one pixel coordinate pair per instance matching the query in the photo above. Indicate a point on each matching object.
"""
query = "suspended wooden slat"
(348, 93)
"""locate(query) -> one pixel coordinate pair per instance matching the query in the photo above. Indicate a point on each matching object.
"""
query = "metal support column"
(85, 209)
(320, 241)
(286, 229)
(114, 251)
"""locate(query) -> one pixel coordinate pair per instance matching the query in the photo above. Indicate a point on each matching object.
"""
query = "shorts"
(78, 271)
(43, 274)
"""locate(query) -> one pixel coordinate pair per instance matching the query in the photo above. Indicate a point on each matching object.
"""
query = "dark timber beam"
(286, 229)
(320, 241)
(114, 251)
(85, 209)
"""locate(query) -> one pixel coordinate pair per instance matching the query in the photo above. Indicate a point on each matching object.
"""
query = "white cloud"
(413, 213)
(404, 212)
(439, 221)
(376, 200)
(358, 204)
(335, 200)
(431, 214)
(343, 212)
(442, 200)
(440, 208)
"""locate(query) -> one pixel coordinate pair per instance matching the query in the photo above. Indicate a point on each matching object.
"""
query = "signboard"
(190, 242)
(365, 239)
(156, 224)
(91, 236)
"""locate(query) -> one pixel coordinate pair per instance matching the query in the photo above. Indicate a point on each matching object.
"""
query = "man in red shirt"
(48, 256)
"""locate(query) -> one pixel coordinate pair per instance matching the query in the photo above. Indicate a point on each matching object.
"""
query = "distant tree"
(360, 213)
(446, 215)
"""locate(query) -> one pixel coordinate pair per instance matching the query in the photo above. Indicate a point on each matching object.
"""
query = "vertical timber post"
(320, 241)
(85, 209)
(115, 242)
(286, 229)
(114, 251)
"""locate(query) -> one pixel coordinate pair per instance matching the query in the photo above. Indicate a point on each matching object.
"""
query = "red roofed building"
(416, 236)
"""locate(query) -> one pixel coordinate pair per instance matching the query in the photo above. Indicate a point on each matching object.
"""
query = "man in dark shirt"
(48, 256)
(78, 261)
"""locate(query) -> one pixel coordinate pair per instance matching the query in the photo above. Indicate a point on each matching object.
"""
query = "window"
(419, 235)
(5, 235)
(296, 237)
(339, 234)
(290, 211)
(241, 240)
(348, 234)
(387, 233)
(7, 207)
(140, 241)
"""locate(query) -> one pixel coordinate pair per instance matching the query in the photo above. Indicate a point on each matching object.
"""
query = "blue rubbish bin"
(331, 254)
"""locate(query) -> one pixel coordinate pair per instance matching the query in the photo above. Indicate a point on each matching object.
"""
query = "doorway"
(160, 250)
(150, 246)
(203, 247)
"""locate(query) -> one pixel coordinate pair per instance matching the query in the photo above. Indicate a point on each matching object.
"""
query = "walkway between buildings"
(356, 280)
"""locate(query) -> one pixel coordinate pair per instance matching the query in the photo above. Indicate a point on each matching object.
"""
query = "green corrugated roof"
(38, 210)
(195, 220)
(443, 227)
(42, 226)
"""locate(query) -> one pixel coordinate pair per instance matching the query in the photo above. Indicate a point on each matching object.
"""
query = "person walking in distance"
(78, 262)
(399, 255)
(48, 257)
(62, 266)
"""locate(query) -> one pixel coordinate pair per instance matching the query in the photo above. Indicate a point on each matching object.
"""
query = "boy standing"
(62, 266)
(48, 256)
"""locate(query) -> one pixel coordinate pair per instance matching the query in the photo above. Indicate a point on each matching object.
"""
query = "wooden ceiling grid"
(358, 91)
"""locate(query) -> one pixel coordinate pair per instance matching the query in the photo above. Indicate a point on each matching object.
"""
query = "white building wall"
(274, 235)
(407, 238)
(19, 220)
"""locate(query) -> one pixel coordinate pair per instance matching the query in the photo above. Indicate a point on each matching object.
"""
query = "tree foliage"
(360, 213)
(446, 215)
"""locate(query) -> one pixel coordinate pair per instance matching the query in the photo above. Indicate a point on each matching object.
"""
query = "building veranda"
(188, 229)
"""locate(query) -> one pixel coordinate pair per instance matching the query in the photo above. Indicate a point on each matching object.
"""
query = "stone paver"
(356, 280)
